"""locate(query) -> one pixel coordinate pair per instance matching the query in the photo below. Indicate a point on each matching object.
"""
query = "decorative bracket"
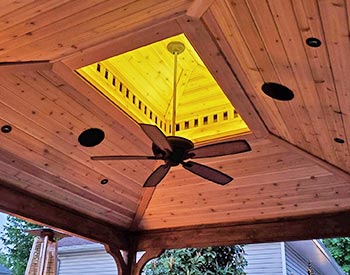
(127, 262)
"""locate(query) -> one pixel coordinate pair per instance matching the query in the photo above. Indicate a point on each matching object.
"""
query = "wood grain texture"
(77, 26)
(301, 228)
(295, 172)
(50, 214)
(268, 42)
(270, 181)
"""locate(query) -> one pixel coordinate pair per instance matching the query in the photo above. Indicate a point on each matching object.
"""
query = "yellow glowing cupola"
(141, 83)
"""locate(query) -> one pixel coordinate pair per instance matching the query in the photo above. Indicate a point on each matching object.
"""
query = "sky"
(2, 222)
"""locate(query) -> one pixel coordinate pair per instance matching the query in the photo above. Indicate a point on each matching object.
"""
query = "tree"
(340, 250)
(221, 260)
(3, 259)
(17, 244)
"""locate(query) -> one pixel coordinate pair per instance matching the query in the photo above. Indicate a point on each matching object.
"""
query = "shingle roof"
(69, 241)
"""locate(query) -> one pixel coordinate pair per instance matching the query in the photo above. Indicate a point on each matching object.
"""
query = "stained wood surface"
(295, 169)
(307, 227)
(269, 182)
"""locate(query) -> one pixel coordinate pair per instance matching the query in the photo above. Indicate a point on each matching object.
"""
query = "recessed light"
(104, 181)
(91, 137)
(277, 91)
(339, 140)
(6, 129)
(313, 42)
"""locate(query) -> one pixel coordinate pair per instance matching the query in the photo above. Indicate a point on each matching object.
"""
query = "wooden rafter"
(15, 67)
(46, 213)
(299, 228)
(294, 184)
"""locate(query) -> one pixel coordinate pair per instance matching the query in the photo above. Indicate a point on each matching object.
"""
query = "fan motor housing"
(180, 147)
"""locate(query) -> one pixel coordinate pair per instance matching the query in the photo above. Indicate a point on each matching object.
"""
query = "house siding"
(91, 259)
(4, 270)
(264, 259)
(297, 265)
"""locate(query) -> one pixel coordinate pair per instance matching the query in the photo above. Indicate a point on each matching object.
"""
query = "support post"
(127, 262)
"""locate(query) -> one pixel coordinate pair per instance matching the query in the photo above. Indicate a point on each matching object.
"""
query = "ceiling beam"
(14, 67)
(144, 202)
(122, 44)
(30, 207)
(214, 59)
(300, 228)
(198, 8)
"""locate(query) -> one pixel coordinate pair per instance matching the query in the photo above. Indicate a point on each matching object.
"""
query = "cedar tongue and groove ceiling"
(299, 164)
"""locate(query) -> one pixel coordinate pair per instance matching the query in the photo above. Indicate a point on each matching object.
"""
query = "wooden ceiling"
(295, 169)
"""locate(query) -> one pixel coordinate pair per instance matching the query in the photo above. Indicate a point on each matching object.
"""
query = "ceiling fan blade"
(157, 175)
(207, 172)
(123, 157)
(220, 149)
(157, 136)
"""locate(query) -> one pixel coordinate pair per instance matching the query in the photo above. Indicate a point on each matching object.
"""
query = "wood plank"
(16, 67)
(91, 99)
(245, 179)
(270, 198)
(26, 176)
(26, 12)
(305, 198)
(76, 115)
(337, 171)
(196, 32)
(56, 217)
(75, 175)
(239, 191)
(9, 6)
(306, 94)
(294, 228)
(91, 31)
(198, 8)
(274, 66)
(310, 25)
(238, 45)
(66, 133)
(119, 45)
(143, 204)
(60, 23)
(38, 18)
(338, 45)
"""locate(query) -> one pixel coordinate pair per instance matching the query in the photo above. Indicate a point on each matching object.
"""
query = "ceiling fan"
(174, 150)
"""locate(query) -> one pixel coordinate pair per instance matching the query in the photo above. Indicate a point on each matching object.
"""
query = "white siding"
(297, 265)
(83, 262)
(263, 259)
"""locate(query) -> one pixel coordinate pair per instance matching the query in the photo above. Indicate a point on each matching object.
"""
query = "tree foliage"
(17, 244)
(3, 259)
(221, 260)
(340, 250)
